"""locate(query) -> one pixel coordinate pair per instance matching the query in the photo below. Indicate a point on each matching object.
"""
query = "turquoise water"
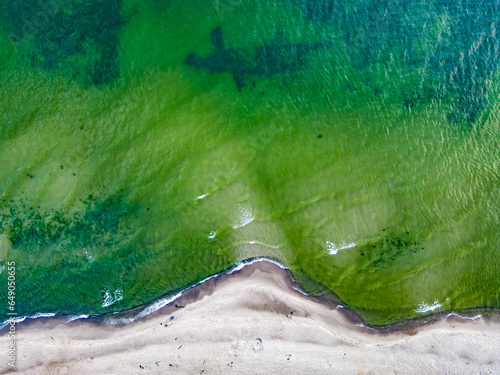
(146, 145)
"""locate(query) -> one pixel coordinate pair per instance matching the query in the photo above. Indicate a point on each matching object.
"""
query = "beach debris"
(179, 347)
(288, 357)
(257, 345)
(179, 307)
(288, 316)
(157, 363)
(172, 317)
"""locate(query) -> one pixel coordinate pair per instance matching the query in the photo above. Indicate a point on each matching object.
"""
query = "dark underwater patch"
(100, 223)
(65, 258)
(274, 57)
(223, 60)
(324, 11)
(388, 249)
(467, 58)
(76, 37)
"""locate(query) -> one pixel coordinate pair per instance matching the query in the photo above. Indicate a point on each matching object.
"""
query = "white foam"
(19, 319)
(42, 315)
(424, 307)
(110, 299)
(240, 265)
(333, 249)
(89, 256)
(148, 310)
(158, 305)
(464, 317)
(301, 291)
(76, 317)
(118, 295)
(244, 217)
(262, 244)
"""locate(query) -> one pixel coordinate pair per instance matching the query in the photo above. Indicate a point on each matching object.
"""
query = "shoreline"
(254, 320)
(167, 304)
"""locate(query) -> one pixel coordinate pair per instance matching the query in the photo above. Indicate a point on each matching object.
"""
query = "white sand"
(242, 328)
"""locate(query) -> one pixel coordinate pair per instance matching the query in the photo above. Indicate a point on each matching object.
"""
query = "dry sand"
(237, 324)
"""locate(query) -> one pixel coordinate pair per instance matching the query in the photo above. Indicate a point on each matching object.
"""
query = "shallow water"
(146, 145)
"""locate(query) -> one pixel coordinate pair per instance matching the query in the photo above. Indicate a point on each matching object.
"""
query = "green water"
(356, 142)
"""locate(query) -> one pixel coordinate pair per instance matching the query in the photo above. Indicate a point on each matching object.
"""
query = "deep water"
(145, 145)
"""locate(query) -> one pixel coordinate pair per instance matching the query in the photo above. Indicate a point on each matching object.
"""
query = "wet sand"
(254, 321)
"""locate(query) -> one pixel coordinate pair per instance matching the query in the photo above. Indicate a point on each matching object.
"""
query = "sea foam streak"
(333, 249)
(146, 310)
(165, 301)
(424, 307)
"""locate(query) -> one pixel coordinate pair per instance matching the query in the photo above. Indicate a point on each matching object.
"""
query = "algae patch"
(77, 38)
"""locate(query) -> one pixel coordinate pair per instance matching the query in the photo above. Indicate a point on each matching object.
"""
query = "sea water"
(146, 145)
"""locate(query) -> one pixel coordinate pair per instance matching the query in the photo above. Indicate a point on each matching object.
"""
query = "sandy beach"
(254, 322)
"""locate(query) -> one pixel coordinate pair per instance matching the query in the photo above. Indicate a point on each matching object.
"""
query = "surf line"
(112, 319)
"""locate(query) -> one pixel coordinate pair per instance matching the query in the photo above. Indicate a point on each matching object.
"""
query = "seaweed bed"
(458, 71)
(77, 38)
